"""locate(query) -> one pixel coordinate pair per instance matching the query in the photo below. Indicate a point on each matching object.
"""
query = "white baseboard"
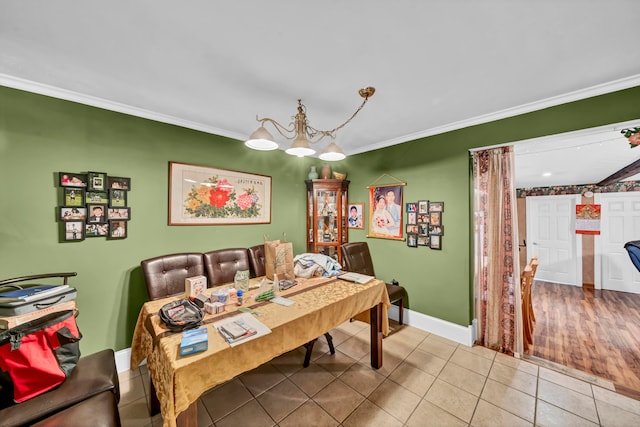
(448, 330)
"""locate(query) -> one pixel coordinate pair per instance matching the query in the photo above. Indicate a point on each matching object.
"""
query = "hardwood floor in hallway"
(593, 331)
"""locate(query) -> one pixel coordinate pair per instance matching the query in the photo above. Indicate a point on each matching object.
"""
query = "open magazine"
(356, 278)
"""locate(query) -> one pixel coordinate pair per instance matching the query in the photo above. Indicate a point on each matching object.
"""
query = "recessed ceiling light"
(546, 174)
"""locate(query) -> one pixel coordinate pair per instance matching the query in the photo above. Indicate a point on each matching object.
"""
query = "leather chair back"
(256, 260)
(165, 275)
(357, 258)
(221, 265)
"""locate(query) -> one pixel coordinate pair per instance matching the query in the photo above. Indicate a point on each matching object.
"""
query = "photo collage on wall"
(94, 205)
(424, 224)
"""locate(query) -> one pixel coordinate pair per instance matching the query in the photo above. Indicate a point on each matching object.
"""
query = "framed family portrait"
(436, 206)
(97, 213)
(73, 213)
(423, 206)
(385, 212)
(97, 181)
(412, 240)
(97, 197)
(204, 195)
(423, 241)
(356, 219)
(412, 207)
(68, 179)
(435, 242)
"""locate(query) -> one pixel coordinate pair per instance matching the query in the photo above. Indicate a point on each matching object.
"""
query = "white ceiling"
(436, 65)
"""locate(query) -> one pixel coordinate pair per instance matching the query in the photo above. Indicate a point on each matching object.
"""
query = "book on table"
(356, 277)
(241, 328)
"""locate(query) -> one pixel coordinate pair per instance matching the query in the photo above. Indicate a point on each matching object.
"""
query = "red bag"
(38, 355)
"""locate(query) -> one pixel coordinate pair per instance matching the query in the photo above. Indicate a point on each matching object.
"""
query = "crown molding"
(601, 89)
(68, 95)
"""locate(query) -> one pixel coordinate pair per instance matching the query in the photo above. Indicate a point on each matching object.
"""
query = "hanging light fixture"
(302, 134)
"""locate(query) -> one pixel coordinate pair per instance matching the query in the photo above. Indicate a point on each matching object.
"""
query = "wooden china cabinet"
(327, 214)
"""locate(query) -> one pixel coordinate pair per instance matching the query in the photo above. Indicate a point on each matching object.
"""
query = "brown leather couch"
(88, 397)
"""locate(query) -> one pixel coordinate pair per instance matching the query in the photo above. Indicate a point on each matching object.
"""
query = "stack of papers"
(357, 278)
(241, 328)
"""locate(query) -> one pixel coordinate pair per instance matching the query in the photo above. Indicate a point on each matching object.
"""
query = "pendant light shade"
(261, 140)
(332, 153)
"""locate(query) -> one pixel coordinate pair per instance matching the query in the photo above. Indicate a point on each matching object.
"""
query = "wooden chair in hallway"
(534, 267)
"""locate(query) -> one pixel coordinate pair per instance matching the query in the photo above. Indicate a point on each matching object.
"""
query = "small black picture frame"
(424, 241)
(436, 206)
(119, 214)
(117, 198)
(97, 181)
(118, 229)
(412, 207)
(73, 213)
(73, 231)
(73, 196)
(435, 218)
(412, 228)
(119, 182)
(97, 213)
(69, 179)
(435, 242)
(436, 230)
(412, 218)
(412, 240)
(97, 197)
(423, 229)
(423, 206)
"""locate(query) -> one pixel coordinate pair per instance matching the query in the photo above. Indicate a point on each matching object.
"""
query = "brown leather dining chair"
(221, 265)
(357, 259)
(256, 259)
(165, 275)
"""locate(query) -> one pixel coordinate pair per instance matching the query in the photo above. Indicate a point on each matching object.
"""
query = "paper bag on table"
(278, 259)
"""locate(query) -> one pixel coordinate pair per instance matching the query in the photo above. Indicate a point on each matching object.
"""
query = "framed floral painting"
(204, 195)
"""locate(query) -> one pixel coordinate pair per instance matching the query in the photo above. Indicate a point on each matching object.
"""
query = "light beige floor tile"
(412, 378)
(338, 400)
(127, 375)
(567, 399)
(355, 347)
(309, 414)
(135, 414)
(428, 414)
(389, 363)
(479, 351)
(488, 415)
(514, 378)
(398, 347)
(131, 390)
(250, 414)
(463, 378)
(548, 415)
(336, 364)
(395, 399)
(225, 399)
(618, 400)
(442, 339)
(518, 403)
(339, 336)
(352, 328)
(437, 347)
(281, 400)
(565, 381)
(312, 379)
(261, 379)
(290, 362)
(361, 378)
(427, 362)
(611, 415)
(368, 414)
(471, 361)
(519, 364)
(410, 335)
(452, 399)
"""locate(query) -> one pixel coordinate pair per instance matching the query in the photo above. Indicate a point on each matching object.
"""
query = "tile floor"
(425, 380)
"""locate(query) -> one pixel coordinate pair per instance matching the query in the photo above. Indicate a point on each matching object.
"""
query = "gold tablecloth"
(321, 304)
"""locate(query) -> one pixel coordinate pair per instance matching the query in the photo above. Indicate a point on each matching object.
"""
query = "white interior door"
(620, 223)
(551, 236)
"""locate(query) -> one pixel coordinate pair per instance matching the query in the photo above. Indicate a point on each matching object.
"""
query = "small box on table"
(195, 286)
(194, 341)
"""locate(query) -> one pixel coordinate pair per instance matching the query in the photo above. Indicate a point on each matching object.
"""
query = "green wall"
(40, 136)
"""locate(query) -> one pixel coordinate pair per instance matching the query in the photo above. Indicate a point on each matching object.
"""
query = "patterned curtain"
(496, 267)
